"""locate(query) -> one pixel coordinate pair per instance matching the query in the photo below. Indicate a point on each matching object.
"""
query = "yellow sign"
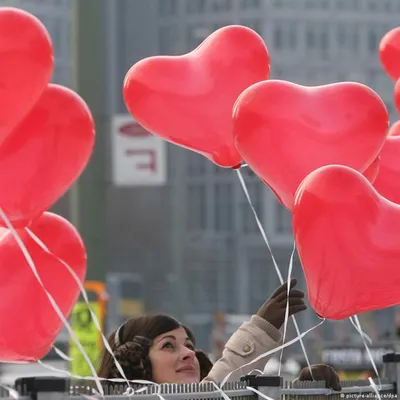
(88, 335)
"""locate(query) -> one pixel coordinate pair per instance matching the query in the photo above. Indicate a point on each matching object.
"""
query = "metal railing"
(250, 387)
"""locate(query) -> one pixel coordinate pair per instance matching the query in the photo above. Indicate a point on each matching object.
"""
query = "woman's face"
(173, 359)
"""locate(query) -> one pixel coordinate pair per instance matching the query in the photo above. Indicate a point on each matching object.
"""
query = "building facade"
(223, 263)
(194, 242)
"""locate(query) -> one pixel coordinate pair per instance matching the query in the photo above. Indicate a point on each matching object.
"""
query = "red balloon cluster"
(29, 323)
(328, 153)
(46, 139)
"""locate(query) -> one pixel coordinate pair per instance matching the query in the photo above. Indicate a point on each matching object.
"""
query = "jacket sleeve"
(250, 341)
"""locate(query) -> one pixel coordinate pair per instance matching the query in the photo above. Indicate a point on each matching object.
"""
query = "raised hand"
(274, 309)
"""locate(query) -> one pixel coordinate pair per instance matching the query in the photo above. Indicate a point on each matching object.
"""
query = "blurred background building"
(184, 240)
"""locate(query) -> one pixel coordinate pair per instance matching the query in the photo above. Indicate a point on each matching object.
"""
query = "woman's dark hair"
(130, 345)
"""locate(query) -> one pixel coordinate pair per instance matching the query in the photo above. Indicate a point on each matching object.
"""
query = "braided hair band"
(140, 340)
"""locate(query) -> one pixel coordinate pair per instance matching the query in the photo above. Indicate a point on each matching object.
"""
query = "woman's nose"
(187, 353)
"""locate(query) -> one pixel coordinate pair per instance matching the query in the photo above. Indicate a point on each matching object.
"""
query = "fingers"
(282, 297)
(283, 288)
(296, 309)
(329, 375)
(322, 372)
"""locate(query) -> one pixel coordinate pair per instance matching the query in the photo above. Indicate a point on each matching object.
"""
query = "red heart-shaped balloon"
(389, 53)
(26, 65)
(29, 323)
(285, 131)
(387, 182)
(397, 95)
(45, 154)
(348, 240)
(188, 100)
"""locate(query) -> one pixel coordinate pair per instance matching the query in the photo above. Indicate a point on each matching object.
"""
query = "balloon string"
(86, 299)
(287, 305)
(264, 236)
(357, 325)
(32, 266)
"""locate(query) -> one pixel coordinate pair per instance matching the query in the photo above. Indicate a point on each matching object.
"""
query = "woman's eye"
(168, 345)
(190, 346)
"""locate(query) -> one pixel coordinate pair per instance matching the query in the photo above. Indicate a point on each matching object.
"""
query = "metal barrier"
(250, 387)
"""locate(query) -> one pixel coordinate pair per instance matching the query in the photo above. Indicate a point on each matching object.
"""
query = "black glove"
(274, 309)
(322, 372)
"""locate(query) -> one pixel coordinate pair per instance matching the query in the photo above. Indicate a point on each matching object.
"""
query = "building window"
(283, 220)
(196, 165)
(324, 4)
(250, 4)
(195, 6)
(355, 38)
(278, 37)
(256, 190)
(278, 221)
(373, 40)
(261, 282)
(196, 207)
(310, 38)
(310, 4)
(220, 5)
(168, 40)
(317, 38)
(223, 211)
(167, 8)
(292, 36)
(285, 35)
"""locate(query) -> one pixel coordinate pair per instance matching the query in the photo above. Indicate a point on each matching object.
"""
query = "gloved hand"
(274, 309)
(322, 372)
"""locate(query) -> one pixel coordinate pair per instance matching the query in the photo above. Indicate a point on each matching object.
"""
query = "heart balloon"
(45, 154)
(29, 323)
(389, 53)
(348, 240)
(188, 100)
(397, 95)
(285, 131)
(387, 182)
(26, 65)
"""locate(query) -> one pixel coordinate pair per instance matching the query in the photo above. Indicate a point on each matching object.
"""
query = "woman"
(160, 349)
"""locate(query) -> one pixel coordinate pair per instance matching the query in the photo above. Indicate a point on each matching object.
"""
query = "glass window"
(292, 36)
(167, 8)
(196, 165)
(168, 40)
(249, 4)
(278, 37)
(310, 38)
(283, 220)
(196, 207)
(195, 6)
(373, 40)
(223, 211)
(256, 190)
(220, 5)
